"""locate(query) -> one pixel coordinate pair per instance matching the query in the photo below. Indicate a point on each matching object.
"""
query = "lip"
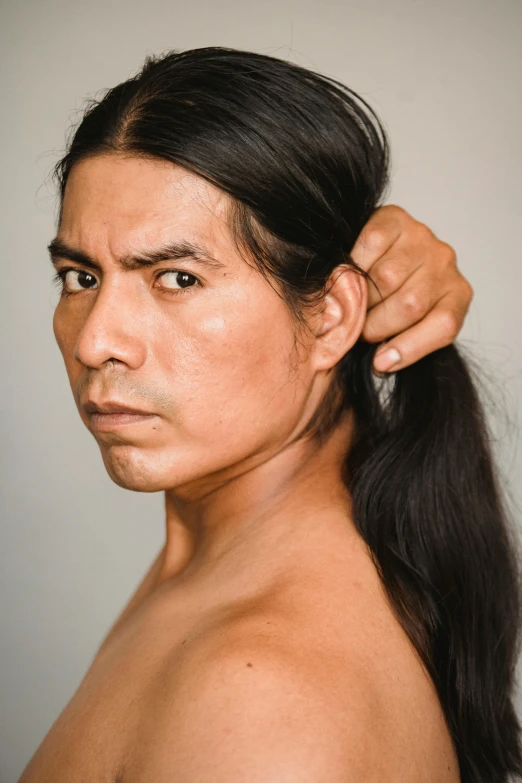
(110, 421)
(113, 406)
(111, 414)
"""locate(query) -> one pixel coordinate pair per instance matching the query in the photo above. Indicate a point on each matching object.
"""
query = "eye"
(181, 280)
(82, 282)
(73, 281)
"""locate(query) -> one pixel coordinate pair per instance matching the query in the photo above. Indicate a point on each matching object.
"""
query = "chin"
(136, 474)
(153, 470)
(137, 483)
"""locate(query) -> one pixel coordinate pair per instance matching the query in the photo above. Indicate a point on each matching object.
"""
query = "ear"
(341, 320)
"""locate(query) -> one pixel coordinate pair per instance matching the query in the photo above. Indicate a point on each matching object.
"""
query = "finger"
(404, 308)
(389, 274)
(438, 329)
(378, 235)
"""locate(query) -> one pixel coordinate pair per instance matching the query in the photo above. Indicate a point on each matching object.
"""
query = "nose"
(115, 327)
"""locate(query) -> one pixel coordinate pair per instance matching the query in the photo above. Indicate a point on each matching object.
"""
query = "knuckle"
(447, 254)
(470, 293)
(448, 325)
(375, 240)
(424, 233)
(397, 212)
(389, 276)
(401, 220)
(452, 255)
(414, 304)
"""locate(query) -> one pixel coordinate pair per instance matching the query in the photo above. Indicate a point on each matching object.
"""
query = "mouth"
(112, 406)
(109, 421)
(112, 414)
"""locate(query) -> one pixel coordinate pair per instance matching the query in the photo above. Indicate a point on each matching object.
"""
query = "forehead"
(124, 202)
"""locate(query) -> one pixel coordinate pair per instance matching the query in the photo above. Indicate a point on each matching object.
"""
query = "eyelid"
(174, 271)
(63, 272)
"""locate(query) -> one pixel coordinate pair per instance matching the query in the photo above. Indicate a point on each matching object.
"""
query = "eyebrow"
(170, 252)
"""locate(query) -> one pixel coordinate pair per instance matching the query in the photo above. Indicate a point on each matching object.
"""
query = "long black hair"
(306, 162)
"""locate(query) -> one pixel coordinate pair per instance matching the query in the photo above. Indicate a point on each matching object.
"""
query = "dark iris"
(185, 279)
(86, 279)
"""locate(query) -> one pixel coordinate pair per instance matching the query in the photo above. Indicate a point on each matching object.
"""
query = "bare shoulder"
(254, 713)
(316, 680)
(251, 704)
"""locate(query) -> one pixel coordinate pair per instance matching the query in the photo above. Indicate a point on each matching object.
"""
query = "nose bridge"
(114, 327)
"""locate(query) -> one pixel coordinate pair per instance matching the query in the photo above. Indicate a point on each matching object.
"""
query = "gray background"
(446, 78)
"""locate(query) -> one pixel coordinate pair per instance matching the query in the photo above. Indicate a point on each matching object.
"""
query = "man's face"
(215, 362)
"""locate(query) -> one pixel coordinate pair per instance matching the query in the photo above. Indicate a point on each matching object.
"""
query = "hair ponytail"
(427, 503)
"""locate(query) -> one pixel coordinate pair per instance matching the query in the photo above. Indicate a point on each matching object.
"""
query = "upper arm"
(252, 718)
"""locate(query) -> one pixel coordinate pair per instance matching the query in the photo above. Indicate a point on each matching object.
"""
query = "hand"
(426, 298)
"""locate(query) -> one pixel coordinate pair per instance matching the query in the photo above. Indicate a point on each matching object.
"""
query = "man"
(208, 673)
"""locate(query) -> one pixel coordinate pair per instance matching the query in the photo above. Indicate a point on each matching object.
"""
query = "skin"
(205, 669)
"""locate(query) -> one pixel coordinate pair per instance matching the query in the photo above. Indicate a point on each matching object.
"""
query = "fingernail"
(385, 360)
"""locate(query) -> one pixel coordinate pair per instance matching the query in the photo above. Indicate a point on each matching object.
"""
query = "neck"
(281, 505)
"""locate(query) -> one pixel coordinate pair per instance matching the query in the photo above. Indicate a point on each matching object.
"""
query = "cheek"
(233, 372)
(66, 330)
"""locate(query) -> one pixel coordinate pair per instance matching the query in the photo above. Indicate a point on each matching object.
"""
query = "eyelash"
(59, 280)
